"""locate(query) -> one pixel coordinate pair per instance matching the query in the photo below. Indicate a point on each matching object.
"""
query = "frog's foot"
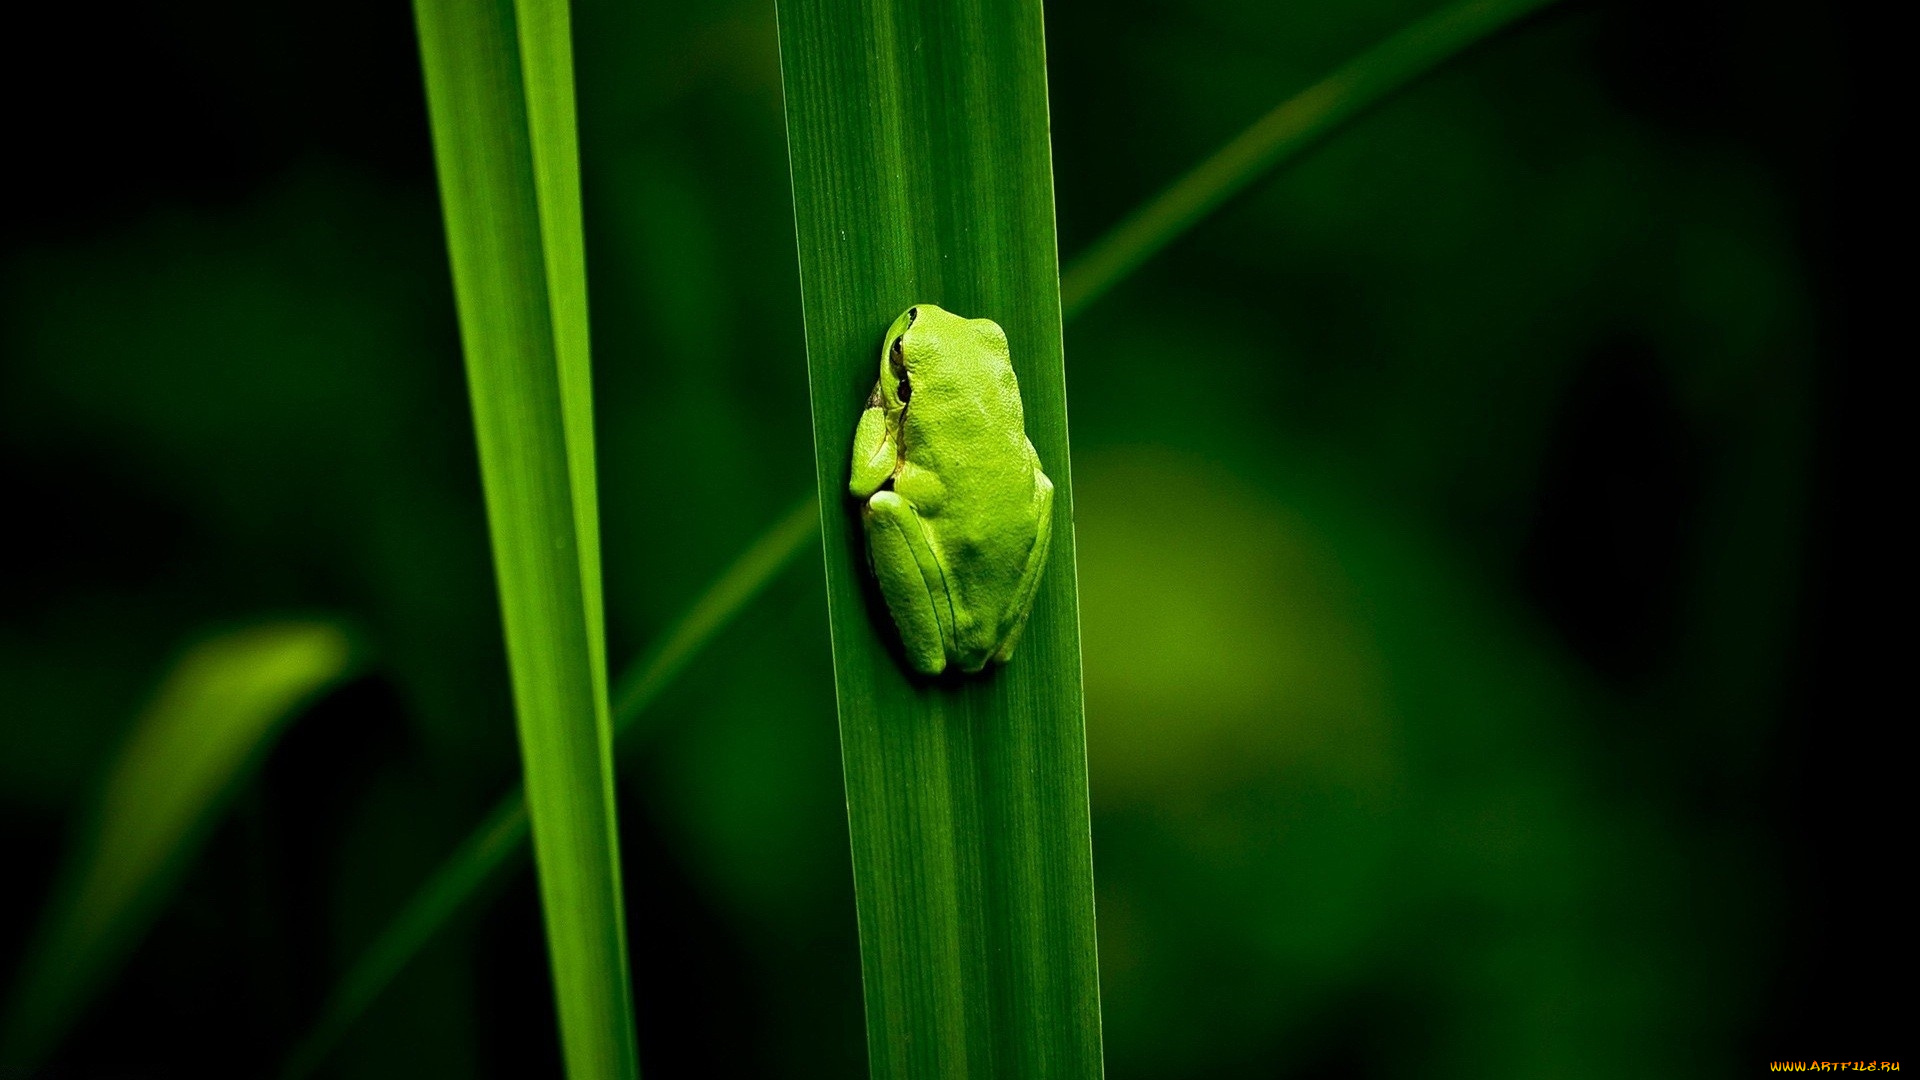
(1036, 565)
(911, 580)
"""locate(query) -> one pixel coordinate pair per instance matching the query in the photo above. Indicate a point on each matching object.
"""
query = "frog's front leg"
(875, 451)
(911, 580)
(1022, 605)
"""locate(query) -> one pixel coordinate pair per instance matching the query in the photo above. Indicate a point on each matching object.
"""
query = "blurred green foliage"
(210, 723)
(1441, 514)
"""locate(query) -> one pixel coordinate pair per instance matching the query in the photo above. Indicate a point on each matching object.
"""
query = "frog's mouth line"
(897, 361)
(897, 358)
(903, 390)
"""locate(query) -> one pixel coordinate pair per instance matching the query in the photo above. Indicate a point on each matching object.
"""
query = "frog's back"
(986, 522)
(977, 480)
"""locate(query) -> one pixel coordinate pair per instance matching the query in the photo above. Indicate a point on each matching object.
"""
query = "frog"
(957, 510)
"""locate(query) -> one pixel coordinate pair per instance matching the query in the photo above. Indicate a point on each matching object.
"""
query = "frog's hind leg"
(1036, 565)
(912, 582)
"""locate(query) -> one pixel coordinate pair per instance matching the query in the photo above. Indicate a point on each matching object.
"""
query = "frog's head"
(923, 338)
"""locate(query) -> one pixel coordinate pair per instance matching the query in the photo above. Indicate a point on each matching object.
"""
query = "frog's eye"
(897, 359)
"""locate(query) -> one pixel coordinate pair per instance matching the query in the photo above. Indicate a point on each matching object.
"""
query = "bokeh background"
(1475, 550)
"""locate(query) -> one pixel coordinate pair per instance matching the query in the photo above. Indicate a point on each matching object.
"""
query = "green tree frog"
(958, 513)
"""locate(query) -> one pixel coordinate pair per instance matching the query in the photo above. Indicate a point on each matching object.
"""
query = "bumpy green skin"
(958, 513)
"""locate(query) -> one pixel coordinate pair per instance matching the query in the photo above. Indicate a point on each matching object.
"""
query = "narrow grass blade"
(1294, 126)
(917, 134)
(210, 723)
(496, 843)
(500, 97)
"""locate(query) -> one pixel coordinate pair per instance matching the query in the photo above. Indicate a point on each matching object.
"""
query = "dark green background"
(1474, 557)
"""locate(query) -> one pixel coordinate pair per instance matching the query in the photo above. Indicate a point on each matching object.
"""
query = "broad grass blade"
(917, 133)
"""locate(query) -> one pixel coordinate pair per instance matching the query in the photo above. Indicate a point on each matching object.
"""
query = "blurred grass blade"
(490, 848)
(494, 844)
(1294, 126)
(724, 599)
(500, 98)
(209, 724)
(917, 136)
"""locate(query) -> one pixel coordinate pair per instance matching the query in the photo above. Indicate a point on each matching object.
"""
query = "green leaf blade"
(922, 172)
(499, 93)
